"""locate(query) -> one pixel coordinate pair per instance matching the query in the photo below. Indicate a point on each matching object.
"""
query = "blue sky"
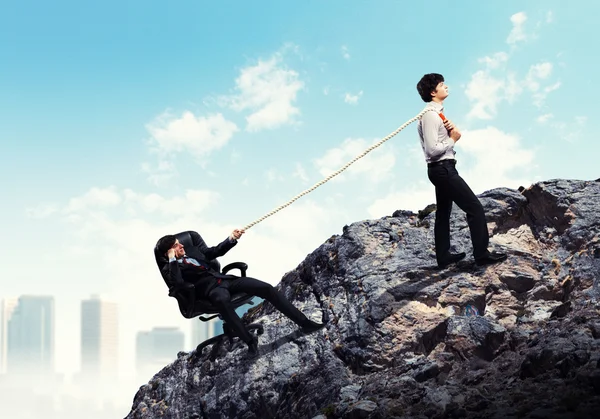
(123, 121)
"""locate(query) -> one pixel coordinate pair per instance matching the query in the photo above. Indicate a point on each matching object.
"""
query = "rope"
(315, 186)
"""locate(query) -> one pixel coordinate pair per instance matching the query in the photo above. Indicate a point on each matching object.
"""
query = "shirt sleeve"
(434, 147)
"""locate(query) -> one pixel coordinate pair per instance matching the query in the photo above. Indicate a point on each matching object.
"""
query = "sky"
(124, 121)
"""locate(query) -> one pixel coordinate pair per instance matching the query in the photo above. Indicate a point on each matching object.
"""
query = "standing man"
(438, 136)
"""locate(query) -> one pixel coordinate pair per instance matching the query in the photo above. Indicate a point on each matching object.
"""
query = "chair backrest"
(188, 242)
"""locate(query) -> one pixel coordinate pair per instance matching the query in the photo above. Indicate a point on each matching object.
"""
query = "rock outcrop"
(398, 343)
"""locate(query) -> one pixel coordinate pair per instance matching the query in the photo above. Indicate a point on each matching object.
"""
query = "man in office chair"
(192, 266)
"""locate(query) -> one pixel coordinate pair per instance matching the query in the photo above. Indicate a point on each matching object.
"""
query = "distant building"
(6, 309)
(99, 338)
(157, 348)
(202, 331)
(30, 336)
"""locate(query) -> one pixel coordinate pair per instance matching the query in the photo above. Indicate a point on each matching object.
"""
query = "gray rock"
(518, 281)
(397, 345)
(363, 409)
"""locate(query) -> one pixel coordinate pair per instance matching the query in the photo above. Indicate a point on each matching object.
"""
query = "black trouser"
(450, 187)
(221, 297)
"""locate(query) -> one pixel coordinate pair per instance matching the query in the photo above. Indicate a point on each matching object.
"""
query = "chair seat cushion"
(204, 306)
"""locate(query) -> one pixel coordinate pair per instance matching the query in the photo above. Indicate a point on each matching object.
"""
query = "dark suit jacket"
(204, 278)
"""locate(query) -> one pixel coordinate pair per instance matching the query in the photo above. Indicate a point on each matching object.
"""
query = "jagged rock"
(398, 343)
(518, 281)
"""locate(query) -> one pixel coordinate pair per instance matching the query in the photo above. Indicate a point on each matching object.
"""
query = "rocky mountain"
(519, 339)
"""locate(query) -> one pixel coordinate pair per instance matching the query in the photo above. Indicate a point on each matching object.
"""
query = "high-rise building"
(6, 310)
(99, 338)
(157, 348)
(30, 336)
(202, 331)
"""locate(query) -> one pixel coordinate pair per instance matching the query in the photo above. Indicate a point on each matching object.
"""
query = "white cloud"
(326, 90)
(161, 173)
(512, 87)
(487, 92)
(42, 211)
(273, 175)
(100, 201)
(269, 90)
(376, 165)
(540, 97)
(95, 198)
(517, 33)
(489, 87)
(549, 16)
(353, 99)
(494, 61)
(498, 159)
(542, 119)
(345, 52)
(282, 241)
(193, 202)
(570, 132)
(197, 134)
(536, 73)
(300, 173)
(413, 198)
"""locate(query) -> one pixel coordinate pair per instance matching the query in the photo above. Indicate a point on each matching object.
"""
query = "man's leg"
(438, 176)
(264, 290)
(466, 200)
(221, 297)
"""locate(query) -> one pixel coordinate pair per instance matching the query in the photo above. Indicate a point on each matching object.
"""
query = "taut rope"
(368, 150)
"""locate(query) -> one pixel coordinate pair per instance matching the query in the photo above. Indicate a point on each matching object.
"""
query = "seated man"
(191, 265)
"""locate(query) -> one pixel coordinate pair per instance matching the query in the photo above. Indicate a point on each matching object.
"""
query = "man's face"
(179, 250)
(441, 91)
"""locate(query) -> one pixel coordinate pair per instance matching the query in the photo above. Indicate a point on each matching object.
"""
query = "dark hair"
(428, 84)
(165, 243)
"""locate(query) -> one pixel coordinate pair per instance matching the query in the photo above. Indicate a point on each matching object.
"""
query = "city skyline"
(27, 337)
(98, 336)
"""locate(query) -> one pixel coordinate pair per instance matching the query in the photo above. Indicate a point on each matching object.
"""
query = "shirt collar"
(438, 107)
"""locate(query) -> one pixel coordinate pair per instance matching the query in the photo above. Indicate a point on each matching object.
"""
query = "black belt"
(442, 162)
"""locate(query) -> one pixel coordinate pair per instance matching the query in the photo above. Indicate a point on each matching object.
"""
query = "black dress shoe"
(310, 326)
(451, 258)
(493, 257)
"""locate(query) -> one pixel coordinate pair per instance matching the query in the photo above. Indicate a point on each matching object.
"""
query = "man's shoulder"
(431, 115)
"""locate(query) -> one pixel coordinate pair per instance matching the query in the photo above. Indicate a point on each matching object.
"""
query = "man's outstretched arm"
(220, 249)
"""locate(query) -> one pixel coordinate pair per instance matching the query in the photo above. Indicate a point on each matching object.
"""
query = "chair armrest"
(243, 267)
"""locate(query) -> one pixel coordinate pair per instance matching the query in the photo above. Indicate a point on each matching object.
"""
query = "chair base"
(218, 340)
